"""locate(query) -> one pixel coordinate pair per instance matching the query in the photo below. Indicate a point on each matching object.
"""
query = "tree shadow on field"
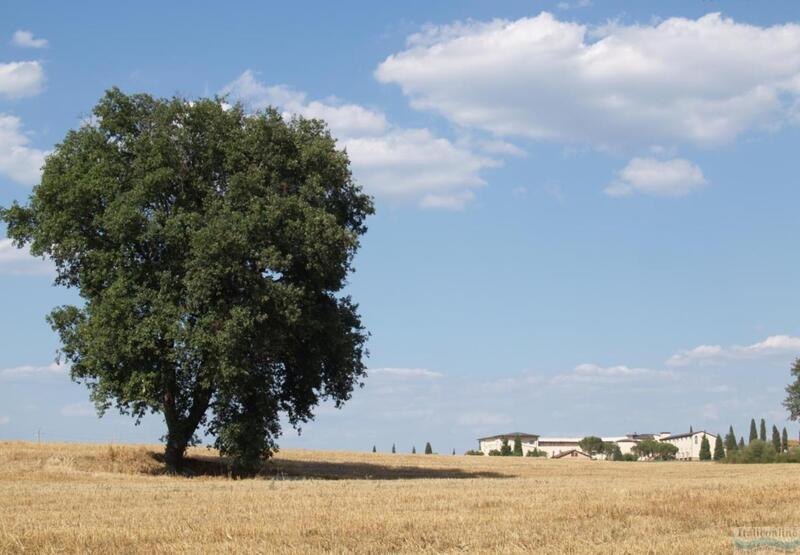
(326, 470)
(199, 465)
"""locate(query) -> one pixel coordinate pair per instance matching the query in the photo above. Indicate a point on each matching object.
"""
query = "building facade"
(688, 444)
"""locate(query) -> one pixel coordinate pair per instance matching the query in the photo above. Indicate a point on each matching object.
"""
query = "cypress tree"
(763, 431)
(705, 449)
(505, 449)
(741, 442)
(428, 448)
(719, 450)
(785, 441)
(454, 451)
(374, 450)
(753, 431)
(393, 449)
(517, 446)
(413, 450)
(691, 431)
(730, 441)
(776, 439)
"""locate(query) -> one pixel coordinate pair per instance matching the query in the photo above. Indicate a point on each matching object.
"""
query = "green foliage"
(428, 449)
(591, 445)
(374, 449)
(753, 431)
(719, 450)
(762, 434)
(730, 441)
(210, 248)
(394, 450)
(474, 453)
(495, 453)
(628, 457)
(454, 451)
(654, 449)
(784, 441)
(413, 450)
(535, 453)
(741, 443)
(705, 449)
(763, 452)
(517, 446)
(776, 439)
(792, 401)
(612, 451)
(505, 449)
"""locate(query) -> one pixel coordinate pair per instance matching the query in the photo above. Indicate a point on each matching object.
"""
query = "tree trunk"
(181, 428)
(174, 452)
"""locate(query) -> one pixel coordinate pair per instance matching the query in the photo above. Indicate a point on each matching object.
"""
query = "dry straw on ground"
(63, 498)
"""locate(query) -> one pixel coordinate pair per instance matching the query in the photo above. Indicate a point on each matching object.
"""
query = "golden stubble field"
(69, 498)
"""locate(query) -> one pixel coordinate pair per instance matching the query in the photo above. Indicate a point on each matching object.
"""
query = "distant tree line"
(758, 449)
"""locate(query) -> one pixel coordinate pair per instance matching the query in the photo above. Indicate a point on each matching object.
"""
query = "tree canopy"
(654, 449)
(210, 248)
(591, 445)
(792, 401)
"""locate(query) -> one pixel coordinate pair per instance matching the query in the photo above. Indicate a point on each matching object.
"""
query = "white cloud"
(593, 373)
(4, 420)
(414, 163)
(79, 409)
(679, 80)
(708, 355)
(405, 373)
(21, 373)
(14, 261)
(668, 178)
(344, 120)
(20, 79)
(403, 164)
(18, 160)
(26, 39)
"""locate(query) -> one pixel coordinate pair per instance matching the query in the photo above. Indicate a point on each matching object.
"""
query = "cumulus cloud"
(668, 178)
(18, 160)
(14, 261)
(21, 79)
(344, 120)
(596, 374)
(23, 373)
(676, 81)
(26, 39)
(405, 373)
(404, 164)
(709, 355)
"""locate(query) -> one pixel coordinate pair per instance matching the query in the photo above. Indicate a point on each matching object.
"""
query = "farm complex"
(688, 444)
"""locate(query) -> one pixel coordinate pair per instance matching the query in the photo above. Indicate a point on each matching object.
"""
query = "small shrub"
(495, 453)
(535, 453)
(474, 453)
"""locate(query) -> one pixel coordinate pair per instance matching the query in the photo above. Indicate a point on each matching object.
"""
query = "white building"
(688, 444)
(494, 443)
(551, 446)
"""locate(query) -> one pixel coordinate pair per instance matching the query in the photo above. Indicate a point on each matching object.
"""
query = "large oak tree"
(210, 247)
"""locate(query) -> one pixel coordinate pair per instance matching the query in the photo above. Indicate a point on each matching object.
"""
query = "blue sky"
(585, 210)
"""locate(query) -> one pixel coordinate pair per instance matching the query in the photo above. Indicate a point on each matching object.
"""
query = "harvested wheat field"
(69, 498)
